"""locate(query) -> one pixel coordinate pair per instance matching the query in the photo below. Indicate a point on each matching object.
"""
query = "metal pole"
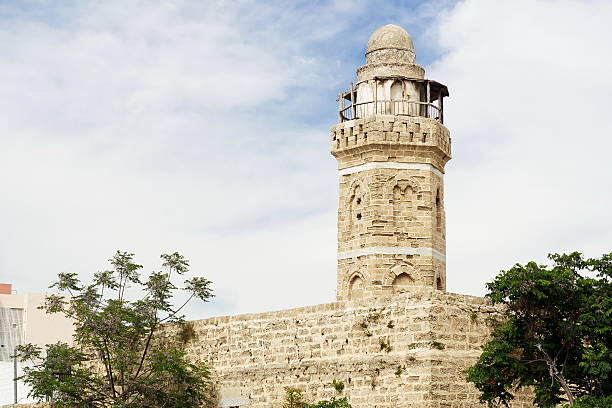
(15, 374)
(353, 109)
(427, 115)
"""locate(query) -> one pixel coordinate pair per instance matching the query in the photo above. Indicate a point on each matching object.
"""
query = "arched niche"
(356, 286)
(357, 189)
(400, 278)
(365, 98)
(439, 282)
(397, 91)
(356, 205)
(403, 194)
(365, 92)
(402, 283)
(403, 182)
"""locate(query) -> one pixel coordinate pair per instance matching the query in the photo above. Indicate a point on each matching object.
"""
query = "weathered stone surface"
(403, 350)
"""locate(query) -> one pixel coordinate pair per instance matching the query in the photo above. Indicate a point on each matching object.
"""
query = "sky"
(203, 128)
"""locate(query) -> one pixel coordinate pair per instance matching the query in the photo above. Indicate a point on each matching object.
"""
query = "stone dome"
(390, 37)
(390, 53)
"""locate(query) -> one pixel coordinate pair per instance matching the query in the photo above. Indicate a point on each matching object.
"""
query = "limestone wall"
(406, 350)
(391, 221)
(407, 139)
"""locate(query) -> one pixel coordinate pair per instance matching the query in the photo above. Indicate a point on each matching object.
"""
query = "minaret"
(391, 148)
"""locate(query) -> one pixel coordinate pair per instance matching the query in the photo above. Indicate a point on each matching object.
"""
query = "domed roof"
(390, 36)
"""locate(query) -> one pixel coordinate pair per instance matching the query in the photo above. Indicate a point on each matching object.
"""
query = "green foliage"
(294, 398)
(437, 345)
(474, 317)
(61, 372)
(365, 328)
(556, 335)
(338, 385)
(373, 316)
(385, 345)
(116, 360)
(588, 401)
(333, 402)
(187, 333)
(390, 324)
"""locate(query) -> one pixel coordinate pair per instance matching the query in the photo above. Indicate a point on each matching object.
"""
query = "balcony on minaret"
(393, 96)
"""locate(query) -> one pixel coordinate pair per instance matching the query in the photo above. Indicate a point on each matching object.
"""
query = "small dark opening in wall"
(438, 212)
(358, 216)
(359, 201)
(439, 284)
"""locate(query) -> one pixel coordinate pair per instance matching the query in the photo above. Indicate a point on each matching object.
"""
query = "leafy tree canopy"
(116, 360)
(294, 398)
(555, 335)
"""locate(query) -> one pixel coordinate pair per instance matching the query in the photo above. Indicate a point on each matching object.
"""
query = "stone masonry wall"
(406, 350)
(391, 221)
(409, 140)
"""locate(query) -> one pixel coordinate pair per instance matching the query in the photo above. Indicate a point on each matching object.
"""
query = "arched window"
(364, 102)
(402, 201)
(397, 97)
(397, 91)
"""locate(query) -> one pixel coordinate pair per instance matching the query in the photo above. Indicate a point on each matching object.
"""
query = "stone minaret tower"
(391, 148)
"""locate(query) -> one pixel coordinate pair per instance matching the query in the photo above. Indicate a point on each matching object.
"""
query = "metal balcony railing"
(396, 107)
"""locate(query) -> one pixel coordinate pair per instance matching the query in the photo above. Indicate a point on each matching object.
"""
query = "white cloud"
(201, 127)
(528, 114)
(167, 127)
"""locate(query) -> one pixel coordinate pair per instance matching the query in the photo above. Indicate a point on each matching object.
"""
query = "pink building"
(22, 322)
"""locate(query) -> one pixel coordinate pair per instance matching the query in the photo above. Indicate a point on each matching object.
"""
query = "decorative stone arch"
(357, 182)
(404, 181)
(355, 284)
(401, 277)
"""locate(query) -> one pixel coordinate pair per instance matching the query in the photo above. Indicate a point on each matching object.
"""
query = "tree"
(294, 398)
(555, 334)
(117, 360)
